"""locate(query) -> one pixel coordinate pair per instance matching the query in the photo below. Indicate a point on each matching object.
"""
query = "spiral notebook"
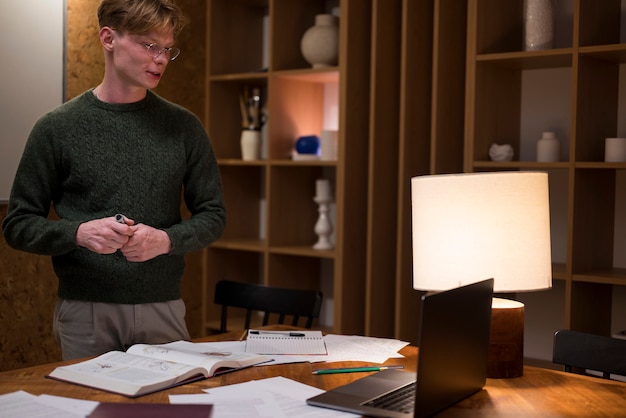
(286, 342)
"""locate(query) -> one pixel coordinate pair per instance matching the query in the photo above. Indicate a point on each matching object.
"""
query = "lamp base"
(506, 342)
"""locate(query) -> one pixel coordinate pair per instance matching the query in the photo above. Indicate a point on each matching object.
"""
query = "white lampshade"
(471, 227)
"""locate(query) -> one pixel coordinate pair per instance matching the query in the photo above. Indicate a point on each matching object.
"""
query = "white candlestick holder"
(323, 226)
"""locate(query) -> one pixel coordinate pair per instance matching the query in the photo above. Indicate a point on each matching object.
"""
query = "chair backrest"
(269, 300)
(580, 350)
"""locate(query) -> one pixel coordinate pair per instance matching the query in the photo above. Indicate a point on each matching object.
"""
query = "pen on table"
(356, 369)
(289, 334)
(243, 335)
(120, 218)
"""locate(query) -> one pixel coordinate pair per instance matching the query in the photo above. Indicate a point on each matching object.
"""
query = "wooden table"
(540, 392)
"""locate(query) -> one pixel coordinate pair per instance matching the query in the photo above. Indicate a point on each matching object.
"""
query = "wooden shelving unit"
(588, 50)
(431, 93)
(270, 208)
(424, 87)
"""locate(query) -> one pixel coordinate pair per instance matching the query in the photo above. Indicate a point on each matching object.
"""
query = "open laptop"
(452, 361)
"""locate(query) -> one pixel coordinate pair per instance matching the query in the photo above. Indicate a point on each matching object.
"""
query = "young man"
(119, 149)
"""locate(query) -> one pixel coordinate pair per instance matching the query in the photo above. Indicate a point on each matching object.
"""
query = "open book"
(144, 368)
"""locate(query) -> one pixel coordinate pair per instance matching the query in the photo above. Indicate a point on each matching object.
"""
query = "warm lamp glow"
(472, 227)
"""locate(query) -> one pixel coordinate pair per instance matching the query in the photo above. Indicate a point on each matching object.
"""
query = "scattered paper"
(273, 397)
(339, 347)
(21, 404)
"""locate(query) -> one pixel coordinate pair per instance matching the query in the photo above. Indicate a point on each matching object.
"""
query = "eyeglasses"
(155, 50)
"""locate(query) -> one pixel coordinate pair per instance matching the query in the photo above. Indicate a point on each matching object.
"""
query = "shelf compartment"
(599, 22)
(244, 194)
(594, 220)
(298, 272)
(547, 102)
(291, 19)
(241, 26)
(225, 131)
(242, 266)
(596, 106)
(502, 114)
(297, 103)
(292, 211)
(501, 25)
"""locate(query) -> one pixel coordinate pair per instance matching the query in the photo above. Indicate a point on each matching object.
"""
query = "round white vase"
(548, 148)
(320, 43)
(615, 150)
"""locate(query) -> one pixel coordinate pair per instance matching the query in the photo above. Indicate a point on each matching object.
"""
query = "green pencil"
(356, 369)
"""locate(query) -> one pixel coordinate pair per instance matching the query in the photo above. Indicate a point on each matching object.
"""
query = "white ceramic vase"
(320, 43)
(250, 144)
(548, 148)
(615, 150)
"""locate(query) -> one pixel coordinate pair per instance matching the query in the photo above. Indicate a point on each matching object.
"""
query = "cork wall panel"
(27, 299)
(85, 60)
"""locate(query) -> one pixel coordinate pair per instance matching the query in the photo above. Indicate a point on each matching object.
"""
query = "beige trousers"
(87, 328)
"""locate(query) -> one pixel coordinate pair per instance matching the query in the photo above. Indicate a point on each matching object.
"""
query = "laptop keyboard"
(400, 400)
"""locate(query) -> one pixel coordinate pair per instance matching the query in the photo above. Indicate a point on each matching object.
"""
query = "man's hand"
(146, 243)
(104, 236)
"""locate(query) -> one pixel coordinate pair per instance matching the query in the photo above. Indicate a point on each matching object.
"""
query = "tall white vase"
(320, 43)
(538, 24)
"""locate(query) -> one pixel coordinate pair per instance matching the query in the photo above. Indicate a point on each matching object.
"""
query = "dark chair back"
(269, 300)
(578, 350)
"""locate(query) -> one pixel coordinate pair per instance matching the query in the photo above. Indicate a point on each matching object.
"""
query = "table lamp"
(474, 226)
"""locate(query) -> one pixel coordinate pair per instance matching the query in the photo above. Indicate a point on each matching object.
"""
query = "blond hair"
(141, 16)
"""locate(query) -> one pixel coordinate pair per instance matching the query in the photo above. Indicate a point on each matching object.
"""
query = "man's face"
(134, 65)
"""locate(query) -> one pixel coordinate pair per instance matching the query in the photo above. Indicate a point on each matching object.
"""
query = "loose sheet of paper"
(21, 404)
(275, 397)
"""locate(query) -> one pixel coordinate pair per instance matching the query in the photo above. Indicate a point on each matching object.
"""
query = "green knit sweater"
(93, 159)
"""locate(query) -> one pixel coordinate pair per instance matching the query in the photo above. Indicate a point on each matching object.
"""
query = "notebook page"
(284, 342)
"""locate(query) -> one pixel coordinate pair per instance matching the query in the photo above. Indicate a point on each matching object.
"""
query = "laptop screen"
(452, 360)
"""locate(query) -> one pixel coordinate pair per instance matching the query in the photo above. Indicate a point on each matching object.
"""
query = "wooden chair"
(269, 300)
(578, 351)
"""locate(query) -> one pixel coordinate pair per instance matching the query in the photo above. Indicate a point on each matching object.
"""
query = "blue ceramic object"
(308, 144)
